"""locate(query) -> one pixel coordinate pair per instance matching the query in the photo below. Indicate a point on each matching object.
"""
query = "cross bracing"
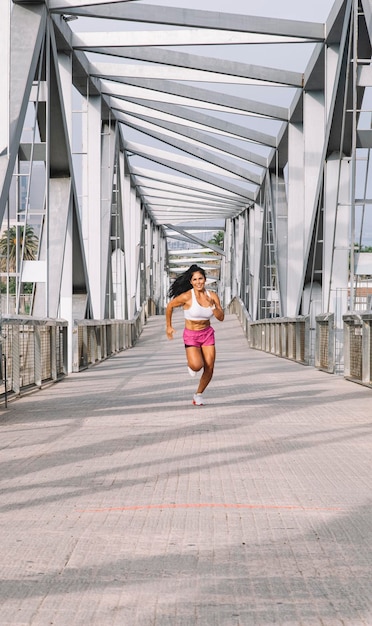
(126, 125)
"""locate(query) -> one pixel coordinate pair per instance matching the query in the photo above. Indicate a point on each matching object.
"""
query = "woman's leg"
(194, 357)
(208, 354)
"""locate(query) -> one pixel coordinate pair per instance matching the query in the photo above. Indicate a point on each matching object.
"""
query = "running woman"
(199, 305)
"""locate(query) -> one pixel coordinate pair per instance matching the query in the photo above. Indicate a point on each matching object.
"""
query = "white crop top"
(197, 312)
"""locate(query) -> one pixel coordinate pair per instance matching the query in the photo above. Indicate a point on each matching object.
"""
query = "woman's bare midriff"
(197, 325)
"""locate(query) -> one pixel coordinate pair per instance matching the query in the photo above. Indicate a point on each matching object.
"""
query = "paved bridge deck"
(124, 505)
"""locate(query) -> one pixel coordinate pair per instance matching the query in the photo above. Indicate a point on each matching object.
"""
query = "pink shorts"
(198, 338)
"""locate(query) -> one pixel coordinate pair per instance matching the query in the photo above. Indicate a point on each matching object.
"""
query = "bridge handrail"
(290, 337)
(358, 347)
(237, 307)
(96, 340)
(287, 337)
(33, 351)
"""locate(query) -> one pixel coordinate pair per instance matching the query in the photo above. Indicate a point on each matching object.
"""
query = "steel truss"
(308, 225)
(107, 159)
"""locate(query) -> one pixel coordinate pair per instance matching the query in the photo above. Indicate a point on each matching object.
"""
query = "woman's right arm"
(168, 319)
(173, 304)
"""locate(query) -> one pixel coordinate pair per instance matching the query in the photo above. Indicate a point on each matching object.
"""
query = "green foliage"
(26, 288)
(9, 243)
(217, 239)
(362, 248)
(11, 285)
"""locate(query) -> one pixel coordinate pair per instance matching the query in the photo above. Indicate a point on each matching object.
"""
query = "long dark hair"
(182, 282)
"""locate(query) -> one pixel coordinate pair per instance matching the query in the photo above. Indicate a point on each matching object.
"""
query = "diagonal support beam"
(200, 242)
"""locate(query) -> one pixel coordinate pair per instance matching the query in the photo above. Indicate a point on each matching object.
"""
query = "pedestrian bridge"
(136, 138)
(35, 351)
(122, 503)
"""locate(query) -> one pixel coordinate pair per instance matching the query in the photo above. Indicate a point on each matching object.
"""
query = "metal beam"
(207, 64)
(187, 183)
(209, 121)
(133, 12)
(219, 99)
(202, 243)
(131, 111)
(239, 168)
(186, 166)
(175, 37)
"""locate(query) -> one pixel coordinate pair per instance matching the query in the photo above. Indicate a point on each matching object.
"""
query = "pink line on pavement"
(211, 505)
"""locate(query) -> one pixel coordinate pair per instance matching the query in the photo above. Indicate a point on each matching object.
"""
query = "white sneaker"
(191, 372)
(198, 399)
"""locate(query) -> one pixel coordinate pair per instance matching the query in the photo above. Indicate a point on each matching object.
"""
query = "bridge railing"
(358, 347)
(291, 338)
(33, 352)
(96, 340)
(325, 342)
(237, 308)
(285, 337)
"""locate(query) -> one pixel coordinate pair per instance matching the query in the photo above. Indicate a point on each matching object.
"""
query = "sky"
(288, 56)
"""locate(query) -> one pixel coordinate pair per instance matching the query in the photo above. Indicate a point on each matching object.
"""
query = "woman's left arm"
(217, 309)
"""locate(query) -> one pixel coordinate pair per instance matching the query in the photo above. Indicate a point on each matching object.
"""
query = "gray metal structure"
(125, 123)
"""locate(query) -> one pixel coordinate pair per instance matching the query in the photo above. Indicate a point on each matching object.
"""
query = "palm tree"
(218, 238)
(25, 239)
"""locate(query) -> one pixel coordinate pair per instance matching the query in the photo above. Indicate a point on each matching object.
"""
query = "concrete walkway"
(122, 504)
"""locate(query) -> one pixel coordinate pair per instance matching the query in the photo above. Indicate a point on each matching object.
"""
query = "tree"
(9, 243)
(217, 239)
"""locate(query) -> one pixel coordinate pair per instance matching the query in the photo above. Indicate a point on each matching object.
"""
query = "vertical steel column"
(226, 287)
(127, 222)
(108, 160)
(353, 152)
(366, 350)
(16, 363)
(256, 244)
(66, 304)
(53, 352)
(47, 166)
(5, 6)
(91, 201)
(296, 216)
(37, 355)
(336, 234)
